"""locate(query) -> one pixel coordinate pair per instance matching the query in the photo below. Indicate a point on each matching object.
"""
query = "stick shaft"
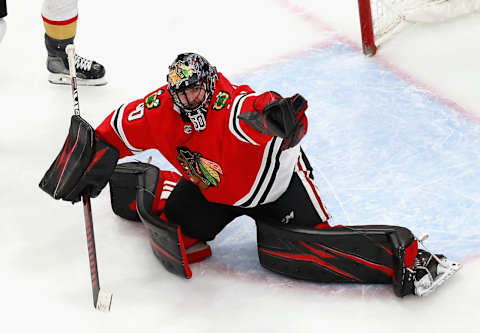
(70, 50)
(92, 252)
(87, 208)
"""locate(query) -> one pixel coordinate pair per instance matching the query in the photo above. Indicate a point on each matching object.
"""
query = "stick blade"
(104, 301)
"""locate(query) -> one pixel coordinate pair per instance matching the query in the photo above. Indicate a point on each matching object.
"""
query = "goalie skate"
(436, 276)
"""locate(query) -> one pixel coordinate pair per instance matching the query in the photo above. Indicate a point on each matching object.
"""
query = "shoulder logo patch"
(153, 101)
(221, 100)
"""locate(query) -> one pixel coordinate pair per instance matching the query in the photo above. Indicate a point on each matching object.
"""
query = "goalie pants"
(299, 205)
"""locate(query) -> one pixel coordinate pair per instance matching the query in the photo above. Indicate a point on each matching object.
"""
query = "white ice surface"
(44, 279)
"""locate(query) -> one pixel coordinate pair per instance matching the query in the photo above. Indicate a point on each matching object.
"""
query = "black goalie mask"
(191, 82)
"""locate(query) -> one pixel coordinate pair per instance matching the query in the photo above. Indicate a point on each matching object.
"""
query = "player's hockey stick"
(101, 300)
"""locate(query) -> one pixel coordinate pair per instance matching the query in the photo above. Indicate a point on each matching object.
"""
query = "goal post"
(381, 19)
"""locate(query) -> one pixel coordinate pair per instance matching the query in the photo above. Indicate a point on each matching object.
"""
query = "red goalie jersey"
(231, 162)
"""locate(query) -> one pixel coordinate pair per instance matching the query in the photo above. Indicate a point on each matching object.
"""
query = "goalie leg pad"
(166, 241)
(360, 254)
(138, 192)
(195, 249)
(165, 237)
(123, 190)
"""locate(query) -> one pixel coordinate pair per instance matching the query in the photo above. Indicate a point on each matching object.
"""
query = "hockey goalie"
(237, 153)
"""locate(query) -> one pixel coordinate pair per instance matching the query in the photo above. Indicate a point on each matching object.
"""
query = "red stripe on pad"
(410, 254)
(66, 162)
(310, 258)
(97, 157)
(133, 206)
(316, 251)
(188, 272)
(60, 160)
(367, 263)
(155, 245)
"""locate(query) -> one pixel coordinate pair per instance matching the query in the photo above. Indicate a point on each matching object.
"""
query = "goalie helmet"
(189, 70)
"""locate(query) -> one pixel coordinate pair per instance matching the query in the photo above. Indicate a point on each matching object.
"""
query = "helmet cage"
(189, 70)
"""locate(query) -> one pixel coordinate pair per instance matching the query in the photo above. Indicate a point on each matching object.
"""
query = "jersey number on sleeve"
(137, 113)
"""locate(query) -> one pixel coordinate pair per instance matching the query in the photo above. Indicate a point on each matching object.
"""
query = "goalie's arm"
(271, 114)
(83, 166)
(127, 129)
(88, 158)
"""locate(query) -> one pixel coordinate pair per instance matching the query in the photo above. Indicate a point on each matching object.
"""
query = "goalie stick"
(101, 300)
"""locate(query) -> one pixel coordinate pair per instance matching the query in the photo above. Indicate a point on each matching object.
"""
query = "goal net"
(381, 19)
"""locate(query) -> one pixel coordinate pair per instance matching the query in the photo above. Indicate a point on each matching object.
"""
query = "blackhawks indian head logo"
(202, 172)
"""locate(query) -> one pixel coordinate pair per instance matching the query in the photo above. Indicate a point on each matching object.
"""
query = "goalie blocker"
(83, 166)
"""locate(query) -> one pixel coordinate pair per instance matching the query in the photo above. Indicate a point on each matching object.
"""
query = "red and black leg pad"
(83, 166)
(359, 254)
(165, 237)
(123, 190)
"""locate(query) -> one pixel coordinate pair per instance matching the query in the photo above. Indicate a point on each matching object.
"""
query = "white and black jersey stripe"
(304, 164)
(304, 172)
(234, 122)
(116, 123)
(273, 176)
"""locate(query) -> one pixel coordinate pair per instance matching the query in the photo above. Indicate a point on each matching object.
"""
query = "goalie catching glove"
(83, 166)
(282, 117)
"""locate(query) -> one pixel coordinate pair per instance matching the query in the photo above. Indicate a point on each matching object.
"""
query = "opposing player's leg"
(3, 23)
(3, 28)
(60, 21)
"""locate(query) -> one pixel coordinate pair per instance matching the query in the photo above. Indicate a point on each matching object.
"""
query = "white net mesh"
(390, 15)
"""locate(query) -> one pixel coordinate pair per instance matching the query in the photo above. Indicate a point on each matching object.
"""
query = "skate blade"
(66, 80)
(450, 270)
